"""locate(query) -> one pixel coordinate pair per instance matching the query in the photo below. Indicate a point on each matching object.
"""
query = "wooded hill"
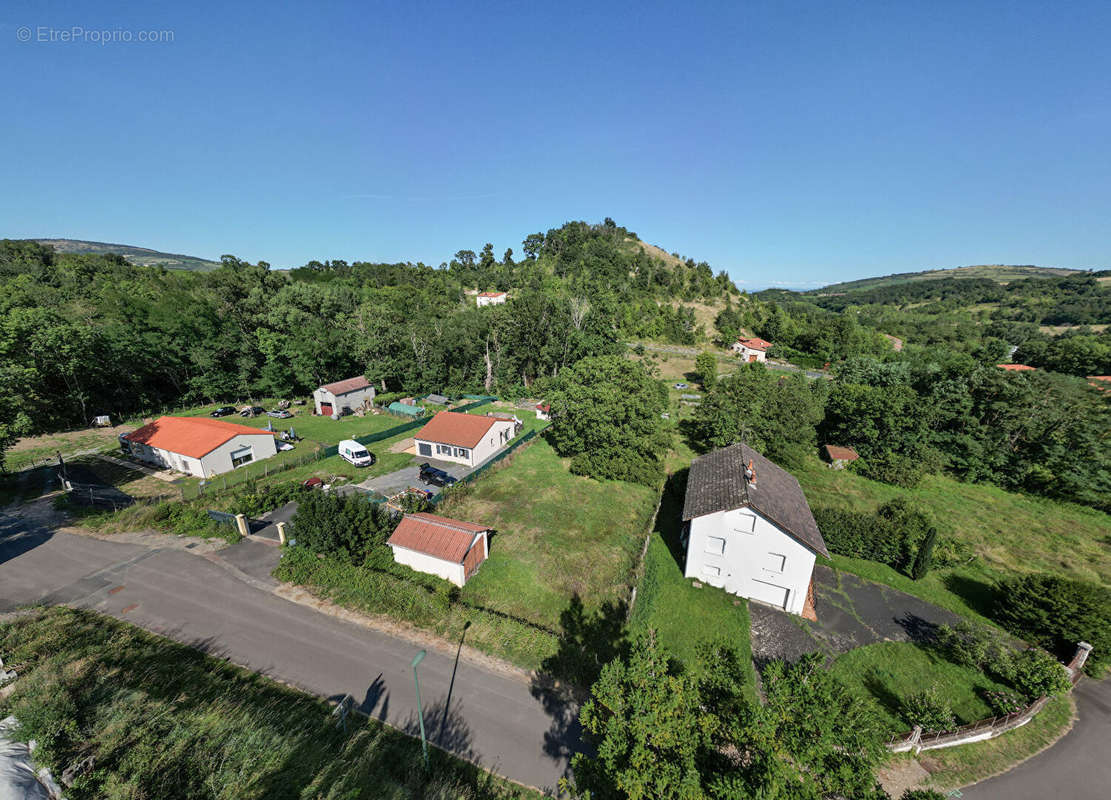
(1000, 273)
(140, 256)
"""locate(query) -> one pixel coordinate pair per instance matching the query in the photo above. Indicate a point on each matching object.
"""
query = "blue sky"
(784, 142)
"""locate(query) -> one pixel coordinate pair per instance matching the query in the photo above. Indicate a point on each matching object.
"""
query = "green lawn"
(888, 672)
(163, 720)
(322, 430)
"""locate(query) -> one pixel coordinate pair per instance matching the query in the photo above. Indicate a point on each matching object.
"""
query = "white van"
(353, 452)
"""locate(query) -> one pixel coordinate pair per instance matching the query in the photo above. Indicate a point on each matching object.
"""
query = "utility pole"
(419, 657)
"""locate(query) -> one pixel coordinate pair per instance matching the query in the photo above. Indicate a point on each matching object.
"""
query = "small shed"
(543, 412)
(838, 457)
(448, 548)
(436, 399)
(405, 410)
(343, 397)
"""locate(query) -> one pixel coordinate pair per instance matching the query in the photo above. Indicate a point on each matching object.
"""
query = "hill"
(140, 256)
(1000, 273)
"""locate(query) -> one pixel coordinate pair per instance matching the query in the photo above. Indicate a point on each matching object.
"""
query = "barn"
(343, 397)
(448, 548)
(199, 446)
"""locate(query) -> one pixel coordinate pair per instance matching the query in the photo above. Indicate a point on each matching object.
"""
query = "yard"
(165, 720)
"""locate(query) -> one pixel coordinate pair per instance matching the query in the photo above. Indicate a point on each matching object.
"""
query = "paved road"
(1078, 767)
(491, 718)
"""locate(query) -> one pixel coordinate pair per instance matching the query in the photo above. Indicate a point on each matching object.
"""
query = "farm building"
(448, 548)
(750, 530)
(463, 438)
(838, 457)
(752, 349)
(199, 446)
(491, 298)
(343, 397)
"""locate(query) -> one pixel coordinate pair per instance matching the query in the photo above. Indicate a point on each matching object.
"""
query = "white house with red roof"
(491, 298)
(448, 548)
(199, 446)
(753, 349)
(463, 438)
(343, 397)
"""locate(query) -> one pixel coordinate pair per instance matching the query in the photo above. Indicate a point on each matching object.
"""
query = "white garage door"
(769, 593)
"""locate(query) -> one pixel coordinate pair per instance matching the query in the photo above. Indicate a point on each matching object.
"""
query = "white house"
(543, 412)
(343, 397)
(491, 298)
(752, 349)
(199, 446)
(463, 438)
(448, 548)
(750, 529)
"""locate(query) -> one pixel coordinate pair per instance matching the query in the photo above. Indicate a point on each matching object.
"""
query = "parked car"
(436, 477)
(680, 386)
(280, 413)
(354, 453)
(223, 411)
(251, 411)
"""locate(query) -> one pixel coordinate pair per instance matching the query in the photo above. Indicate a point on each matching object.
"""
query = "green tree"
(706, 365)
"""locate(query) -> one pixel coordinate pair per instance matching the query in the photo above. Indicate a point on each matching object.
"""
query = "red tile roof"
(455, 428)
(1015, 367)
(439, 537)
(491, 294)
(349, 385)
(755, 343)
(1099, 377)
(190, 436)
(838, 453)
(545, 407)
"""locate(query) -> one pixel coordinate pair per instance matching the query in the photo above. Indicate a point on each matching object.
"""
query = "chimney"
(750, 474)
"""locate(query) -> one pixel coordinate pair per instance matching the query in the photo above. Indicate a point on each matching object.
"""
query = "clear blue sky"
(801, 143)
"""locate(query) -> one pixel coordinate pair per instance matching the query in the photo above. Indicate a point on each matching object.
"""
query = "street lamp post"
(419, 657)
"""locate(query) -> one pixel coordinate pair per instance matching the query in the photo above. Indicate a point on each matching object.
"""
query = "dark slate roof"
(717, 483)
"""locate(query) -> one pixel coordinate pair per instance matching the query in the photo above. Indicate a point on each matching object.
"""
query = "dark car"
(280, 413)
(223, 411)
(252, 411)
(436, 477)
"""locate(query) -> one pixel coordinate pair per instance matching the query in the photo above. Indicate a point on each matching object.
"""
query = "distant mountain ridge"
(1000, 273)
(140, 256)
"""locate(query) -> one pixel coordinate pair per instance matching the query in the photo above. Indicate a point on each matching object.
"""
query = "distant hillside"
(1000, 273)
(140, 256)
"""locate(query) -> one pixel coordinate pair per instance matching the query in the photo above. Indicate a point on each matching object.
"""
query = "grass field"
(888, 672)
(163, 720)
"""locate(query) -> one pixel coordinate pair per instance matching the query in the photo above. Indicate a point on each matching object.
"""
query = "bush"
(973, 645)
(1035, 673)
(896, 534)
(1056, 613)
(349, 527)
(184, 519)
(930, 709)
(1003, 703)
(255, 501)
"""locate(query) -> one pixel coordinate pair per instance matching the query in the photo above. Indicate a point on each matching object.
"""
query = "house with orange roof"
(491, 298)
(448, 548)
(463, 438)
(199, 446)
(1015, 367)
(754, 349)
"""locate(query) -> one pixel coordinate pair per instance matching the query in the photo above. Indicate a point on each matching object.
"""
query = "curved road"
(496, 720)
(1078, 767)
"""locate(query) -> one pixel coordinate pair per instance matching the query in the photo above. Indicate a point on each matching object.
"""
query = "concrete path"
(491, 718)
(161, 474)
(1078, 767)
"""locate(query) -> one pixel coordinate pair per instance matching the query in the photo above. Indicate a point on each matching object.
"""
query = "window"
(775, 562)
(424, 449)
(711, 571)
(462, 452)
(444, 449)
(715, 545)
(241, 456)
(744, 523)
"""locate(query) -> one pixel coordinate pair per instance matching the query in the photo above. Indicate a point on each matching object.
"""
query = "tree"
(706, 365)
(925, 555)
(606, 416)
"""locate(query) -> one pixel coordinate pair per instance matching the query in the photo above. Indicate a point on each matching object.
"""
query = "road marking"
(131, 607)
(115, 589)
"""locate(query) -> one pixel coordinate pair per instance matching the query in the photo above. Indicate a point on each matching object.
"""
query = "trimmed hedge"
(894, 534)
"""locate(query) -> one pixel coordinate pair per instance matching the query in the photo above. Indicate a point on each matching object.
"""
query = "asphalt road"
(1078, 767)
(487, 717)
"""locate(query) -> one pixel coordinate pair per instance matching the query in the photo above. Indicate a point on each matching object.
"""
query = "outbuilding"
(199, 446)
(491, 298)
(448, 548)
(463, 438)
(838, 457)
(343, 397)
(750, 530)
(752, 349)
(543, 412)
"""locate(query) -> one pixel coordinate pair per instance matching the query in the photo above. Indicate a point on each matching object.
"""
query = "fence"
(917, 740)
(478, 473)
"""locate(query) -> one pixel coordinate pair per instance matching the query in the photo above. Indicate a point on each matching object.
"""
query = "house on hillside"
(749, 529)
(1015, 367)
(199, 446)
(753, 349)
(463, 438)
(448, 548)
(491, 298)
(343, 397)
(838, 457)
(543, 412)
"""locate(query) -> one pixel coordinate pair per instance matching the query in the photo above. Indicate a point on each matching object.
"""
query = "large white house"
(199, 446)
(750, 530)
(752, 349)
(463, 438)
(343, 397)
(448, 548)
(491, 298)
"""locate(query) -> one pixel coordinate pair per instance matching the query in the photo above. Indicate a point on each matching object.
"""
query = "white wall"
(758, 558)
(490, 301)
(746, 352)
(350, 401)
(499, 435)
(431, 565)
(214, 463)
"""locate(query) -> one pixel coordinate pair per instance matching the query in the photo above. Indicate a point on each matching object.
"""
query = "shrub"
(896, 534)
(973, 645)
(349, 527)
(1056, 613)
(1035, 673)
(930, 709)
(1003, 703)
(924, 559)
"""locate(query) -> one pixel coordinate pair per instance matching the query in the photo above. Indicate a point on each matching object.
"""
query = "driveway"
(402, 479)
(852, 612)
